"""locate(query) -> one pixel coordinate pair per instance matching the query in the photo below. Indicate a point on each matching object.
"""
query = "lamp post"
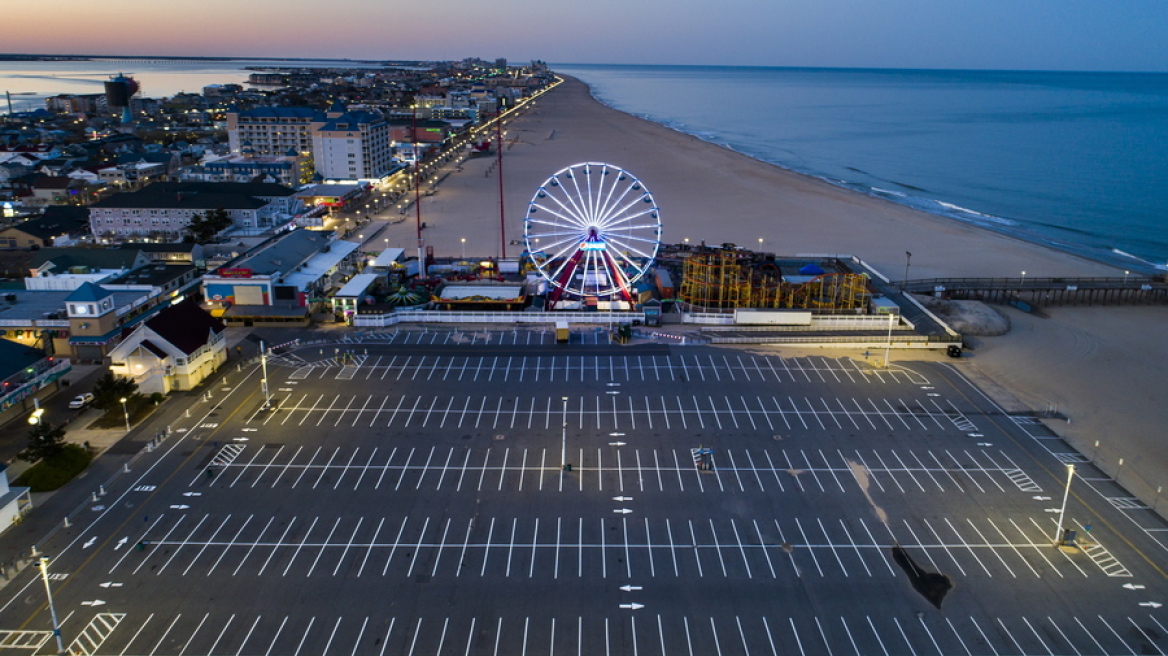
(125, 413)
(1058, 536)
(760, 244)
(564, 435)
(888, 348)
(1023, 279)
(463, 239)
(264, 380)
(907, 259)
(43, 564)
(35, 417)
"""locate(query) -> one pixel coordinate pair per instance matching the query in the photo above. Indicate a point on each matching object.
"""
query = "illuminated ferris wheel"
(592, 229)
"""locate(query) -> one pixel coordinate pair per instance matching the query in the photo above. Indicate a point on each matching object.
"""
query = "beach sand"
(1102, 366)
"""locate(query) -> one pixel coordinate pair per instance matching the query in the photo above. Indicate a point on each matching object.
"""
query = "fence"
(383, 320)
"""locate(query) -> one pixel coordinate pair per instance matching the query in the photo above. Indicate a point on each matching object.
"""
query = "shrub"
(52, 473)
(157, 397)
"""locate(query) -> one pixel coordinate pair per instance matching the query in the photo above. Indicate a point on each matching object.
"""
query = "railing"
(899, 340)
(1034, 283)
(382, 320)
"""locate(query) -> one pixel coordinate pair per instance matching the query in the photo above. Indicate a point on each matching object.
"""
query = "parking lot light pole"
(891, 318)
(264, 380)
(1058, 536)
(43, 565)
(126, 414)
(564, 435)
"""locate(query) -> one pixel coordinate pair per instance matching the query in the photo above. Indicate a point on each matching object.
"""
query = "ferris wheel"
(592, 229)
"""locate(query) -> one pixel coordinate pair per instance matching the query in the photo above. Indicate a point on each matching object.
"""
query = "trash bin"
(568, 466)
(1068, 537)
(954, 351)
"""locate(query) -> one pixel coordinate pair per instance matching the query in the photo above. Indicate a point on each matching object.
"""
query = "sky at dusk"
(987, 34)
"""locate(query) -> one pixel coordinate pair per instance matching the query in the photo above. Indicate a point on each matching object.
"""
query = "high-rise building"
(352, 145)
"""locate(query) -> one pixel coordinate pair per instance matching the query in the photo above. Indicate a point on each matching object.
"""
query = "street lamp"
(1023, 278)
(1058, 536)
(43, 565)
(564, 436)
(891, 318)
(464, 248)
(760, 243)
(907, 259)
(126, 414)
(35, 417)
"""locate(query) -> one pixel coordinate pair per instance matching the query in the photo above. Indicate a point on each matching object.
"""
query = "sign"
(234, 273)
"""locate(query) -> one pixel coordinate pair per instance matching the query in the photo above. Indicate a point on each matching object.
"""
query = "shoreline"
(1108, 256)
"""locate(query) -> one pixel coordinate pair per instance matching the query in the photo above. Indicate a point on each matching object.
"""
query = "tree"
(109, 390)
(44, 441)
(203, 228)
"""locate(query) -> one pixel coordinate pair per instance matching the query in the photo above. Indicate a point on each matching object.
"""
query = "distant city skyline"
(992, 34)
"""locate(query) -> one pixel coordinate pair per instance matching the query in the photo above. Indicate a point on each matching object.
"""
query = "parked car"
(80, 401)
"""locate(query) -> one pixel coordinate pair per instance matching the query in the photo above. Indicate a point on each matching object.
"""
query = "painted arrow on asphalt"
(1041, 498)
(1052, 510)
(95, 602)
(249, 430)
(616, 434)
(630, 588)
(192, 494)
(985, 444)
(622, 498)
(121, 543)
(179, 507)
(1151, 604)
(110, 584)
(616, 443)
(1133, 586)
(622, 511)
(89, 543)
(628, 606)
(239, 439)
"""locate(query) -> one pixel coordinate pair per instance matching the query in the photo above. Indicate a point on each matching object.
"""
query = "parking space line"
(696, 552)
(810, 549)
(944, 546)
(909, 471)
(830, 413)
(255, 543)
(300, 547)
(855, 547)
(831, 470)
(1019, 553)
(741, 547)
(178, 548)
(243, 470)
(208, 543)
(734, 467)
(324, 470)
(864, 414)
(968, 546)
(324, 547)
(327, 410)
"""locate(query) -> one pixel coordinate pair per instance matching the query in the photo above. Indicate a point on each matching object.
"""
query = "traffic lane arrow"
(192, 494)
(630, 588)
(179, 507)
(121, 543)
(622, 511)
(95, 602)
(110, 584)
(616, 443)
(622, 498)
(89, 543)
(1133, 586)
(1151, 604)
(632, 606)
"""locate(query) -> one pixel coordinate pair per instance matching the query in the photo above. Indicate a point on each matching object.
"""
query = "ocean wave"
(889, 192)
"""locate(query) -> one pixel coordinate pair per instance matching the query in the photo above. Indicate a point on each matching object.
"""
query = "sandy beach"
(1102, 366)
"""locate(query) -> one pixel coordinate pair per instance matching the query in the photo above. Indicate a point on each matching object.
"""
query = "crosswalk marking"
(1103, 558)
(95, 633)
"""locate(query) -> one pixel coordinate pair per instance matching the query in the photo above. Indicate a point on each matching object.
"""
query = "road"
(407, 497)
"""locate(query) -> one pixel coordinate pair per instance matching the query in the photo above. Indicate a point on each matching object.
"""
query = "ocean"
(1072, 160)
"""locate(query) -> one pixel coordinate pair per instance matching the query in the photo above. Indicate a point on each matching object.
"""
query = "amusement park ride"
(592, 231)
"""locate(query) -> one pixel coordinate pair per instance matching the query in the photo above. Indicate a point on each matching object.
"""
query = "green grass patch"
(52, 473)
(138, 406)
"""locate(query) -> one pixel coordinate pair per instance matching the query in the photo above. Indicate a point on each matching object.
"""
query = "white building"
(352, 146)
(164, 210)
(175, 350)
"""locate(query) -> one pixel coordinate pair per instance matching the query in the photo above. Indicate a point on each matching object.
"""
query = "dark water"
(1075, 160)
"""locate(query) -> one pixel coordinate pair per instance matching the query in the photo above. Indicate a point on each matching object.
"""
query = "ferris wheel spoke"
(626, 209)
(567, 214)
(610, 201)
